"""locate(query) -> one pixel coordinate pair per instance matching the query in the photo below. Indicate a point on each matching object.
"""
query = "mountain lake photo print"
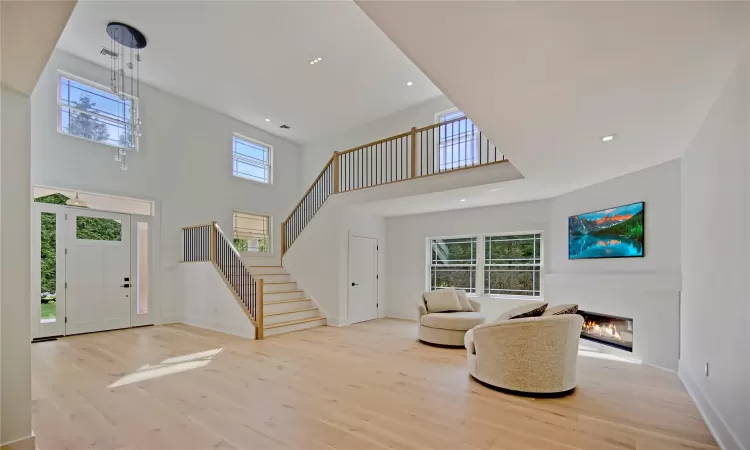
(609, 233)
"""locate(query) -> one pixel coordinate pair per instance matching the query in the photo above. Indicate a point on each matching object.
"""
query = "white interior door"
(363, 282)
(97, 271)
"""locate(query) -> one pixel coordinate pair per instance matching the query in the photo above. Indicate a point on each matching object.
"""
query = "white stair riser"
(286, 307)
(274, 278)
(281, 287)
(272, 297)
(295, 327)
(279, 318)
(261, 270)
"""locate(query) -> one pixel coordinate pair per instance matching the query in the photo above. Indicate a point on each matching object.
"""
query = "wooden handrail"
(380, 141)
(196, 226)
(328, 164)
(440, 124)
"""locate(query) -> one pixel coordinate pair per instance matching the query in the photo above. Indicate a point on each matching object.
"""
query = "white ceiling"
(546, 80)
(250, 60)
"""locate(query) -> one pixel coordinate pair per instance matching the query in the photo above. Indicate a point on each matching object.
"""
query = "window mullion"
(479, 274)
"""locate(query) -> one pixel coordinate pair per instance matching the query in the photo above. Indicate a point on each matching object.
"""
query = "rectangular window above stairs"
(251, 232)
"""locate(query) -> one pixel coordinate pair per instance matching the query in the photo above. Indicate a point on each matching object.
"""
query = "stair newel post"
(259, 308)
(336, 171)
(212, 242)
(283, 238)
(413, 152)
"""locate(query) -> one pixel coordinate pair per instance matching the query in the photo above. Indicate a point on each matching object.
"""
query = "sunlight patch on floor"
(169, 366)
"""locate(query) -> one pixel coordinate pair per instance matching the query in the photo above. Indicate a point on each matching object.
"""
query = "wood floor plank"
(367, 386)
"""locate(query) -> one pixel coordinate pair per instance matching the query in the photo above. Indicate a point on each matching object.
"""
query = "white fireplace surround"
(652, 301)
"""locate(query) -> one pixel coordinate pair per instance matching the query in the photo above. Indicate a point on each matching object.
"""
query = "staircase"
(268, 296)
(286, 308)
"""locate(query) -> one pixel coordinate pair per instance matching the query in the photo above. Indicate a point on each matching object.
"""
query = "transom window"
(458, 141)
(251, 232)
(251, 159)
(90, 111)
(508, 265)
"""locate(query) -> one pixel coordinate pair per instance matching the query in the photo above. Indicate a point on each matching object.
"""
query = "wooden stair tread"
(278, 302)
(293, 322)
(280, 282)
(289, 312)
(281, 292)
(265, 266)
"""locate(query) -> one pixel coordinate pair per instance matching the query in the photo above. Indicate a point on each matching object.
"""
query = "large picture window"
(251, 159)
(502, 265)
(512, 265)
(93, 112)
(453, 263)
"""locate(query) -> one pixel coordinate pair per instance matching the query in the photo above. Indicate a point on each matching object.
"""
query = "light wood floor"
(368, 386)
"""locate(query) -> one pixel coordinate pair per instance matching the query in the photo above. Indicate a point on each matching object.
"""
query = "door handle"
(355, 284)
(125, 285)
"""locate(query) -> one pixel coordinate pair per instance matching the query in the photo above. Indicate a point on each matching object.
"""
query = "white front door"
(363, 282)
(97, 271)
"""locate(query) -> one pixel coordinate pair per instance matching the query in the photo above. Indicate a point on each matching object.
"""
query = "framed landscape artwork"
(609, 233)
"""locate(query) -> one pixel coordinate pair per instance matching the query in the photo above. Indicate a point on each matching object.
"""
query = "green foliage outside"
(84, 125)
(631, 228)
(242, 245)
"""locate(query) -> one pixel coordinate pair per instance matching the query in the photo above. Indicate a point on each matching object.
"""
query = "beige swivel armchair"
(532, 356)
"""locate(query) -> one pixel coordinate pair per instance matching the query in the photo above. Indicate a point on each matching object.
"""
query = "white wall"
(645, 289)
(715, 248)
(201, 282)
(316, 153)
(15, 273)
(184, 165)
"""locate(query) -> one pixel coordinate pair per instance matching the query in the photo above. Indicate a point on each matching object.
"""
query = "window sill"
(260, 183)
(507, 297)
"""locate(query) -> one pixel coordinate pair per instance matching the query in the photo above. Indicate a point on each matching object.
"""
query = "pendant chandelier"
(124, 51)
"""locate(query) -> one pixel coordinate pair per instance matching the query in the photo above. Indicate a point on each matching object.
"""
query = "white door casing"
(99, 281)
(363, 279)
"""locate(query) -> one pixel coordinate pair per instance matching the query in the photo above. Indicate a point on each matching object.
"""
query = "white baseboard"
(726, 439)
(28, 443)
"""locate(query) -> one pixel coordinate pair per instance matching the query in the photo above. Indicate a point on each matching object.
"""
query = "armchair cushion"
(460, 321)
(442, 300)
(463, 299)
(558, 310)
(520, 310)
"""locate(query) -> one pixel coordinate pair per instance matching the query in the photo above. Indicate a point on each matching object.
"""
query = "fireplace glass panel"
(609, 330)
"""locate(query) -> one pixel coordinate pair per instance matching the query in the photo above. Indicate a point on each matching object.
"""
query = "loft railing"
(443, 147)
(208, 243)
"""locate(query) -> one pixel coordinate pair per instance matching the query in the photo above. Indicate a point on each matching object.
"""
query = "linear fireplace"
(609, 330)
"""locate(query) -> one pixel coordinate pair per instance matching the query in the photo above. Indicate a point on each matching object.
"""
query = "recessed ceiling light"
(409, 83)
(312, 62)
(495, 190)
(611, 137)
(463, 199)
(268, 120)
(316, 60)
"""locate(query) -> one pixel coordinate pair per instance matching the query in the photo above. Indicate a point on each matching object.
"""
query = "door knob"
(355, 284)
